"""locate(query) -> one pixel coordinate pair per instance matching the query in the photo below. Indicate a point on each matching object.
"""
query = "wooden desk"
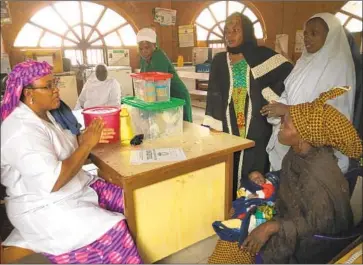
(170, 206)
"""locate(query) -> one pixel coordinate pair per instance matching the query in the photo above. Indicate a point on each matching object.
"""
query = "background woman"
(326, 62)
(241, 81)
(57, 208)
(153, 59)
(99, 90)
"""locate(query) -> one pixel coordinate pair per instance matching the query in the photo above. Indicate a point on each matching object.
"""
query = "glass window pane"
(353, 7)
(87, 31)
(219, 10)
(205, 18)
(94, 36)
(110, 21)
(354, 25)
(28, 36)
(342, 17)
(71, 36)
(50, 40)
(74, 56)
(128, 36)
(218, 31)
(258, 30)
(95, 56)
(214, 37)
(112, 40)
(78, 31)
(234, 6)
(91, 12)
(69, 10)
(222, 25)
(202, 34)
(97, 43)
(248, 12)
(68, 43)
(49, 19)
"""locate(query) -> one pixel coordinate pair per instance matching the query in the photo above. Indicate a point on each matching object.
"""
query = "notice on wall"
(48, 59)
(5, 13)
(118, 57)
(5, 64)
(200, 55)
(138, 157)
(165, 17)
(186, 36)
(299, 41)
(282, 43)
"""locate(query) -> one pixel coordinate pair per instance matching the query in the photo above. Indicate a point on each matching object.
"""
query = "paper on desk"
(157, 155)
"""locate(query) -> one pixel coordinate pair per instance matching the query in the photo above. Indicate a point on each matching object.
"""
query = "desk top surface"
(197, 142)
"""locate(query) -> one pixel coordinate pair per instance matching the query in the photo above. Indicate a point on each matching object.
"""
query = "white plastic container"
(157, 120)
(152, 86)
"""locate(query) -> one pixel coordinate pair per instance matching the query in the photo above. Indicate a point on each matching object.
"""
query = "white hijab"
(99, 93)
(313, 74)
(331, 66)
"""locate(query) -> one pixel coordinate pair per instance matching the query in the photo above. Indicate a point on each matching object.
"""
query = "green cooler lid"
(154, 106)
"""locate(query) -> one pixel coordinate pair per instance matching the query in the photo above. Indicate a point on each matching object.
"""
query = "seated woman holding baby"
(313, 194)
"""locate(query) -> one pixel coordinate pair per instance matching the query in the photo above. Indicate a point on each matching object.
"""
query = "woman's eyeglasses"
(51, 84)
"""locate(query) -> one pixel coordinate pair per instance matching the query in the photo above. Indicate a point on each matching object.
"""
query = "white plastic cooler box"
(155, 120)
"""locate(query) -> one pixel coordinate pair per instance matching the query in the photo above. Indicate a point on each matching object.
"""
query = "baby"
(258, 179)
(232, 230)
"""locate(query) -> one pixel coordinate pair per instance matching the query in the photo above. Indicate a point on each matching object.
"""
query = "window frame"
(217, 23)
(349, 15)
(82, 43)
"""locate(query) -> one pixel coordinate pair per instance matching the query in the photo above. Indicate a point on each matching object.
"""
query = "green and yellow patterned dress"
(239, 94)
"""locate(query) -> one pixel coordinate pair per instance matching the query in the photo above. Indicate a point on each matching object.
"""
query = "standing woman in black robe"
(241, 81)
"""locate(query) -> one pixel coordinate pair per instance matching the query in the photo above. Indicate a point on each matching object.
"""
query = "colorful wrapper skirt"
(114, 247)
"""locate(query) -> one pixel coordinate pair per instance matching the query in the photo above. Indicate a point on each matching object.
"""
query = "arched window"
(210, 22)
(350, 16)
(82, 29)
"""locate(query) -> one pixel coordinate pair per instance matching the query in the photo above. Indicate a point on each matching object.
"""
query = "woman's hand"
(274, 109)
(259, 236)
(92, 134)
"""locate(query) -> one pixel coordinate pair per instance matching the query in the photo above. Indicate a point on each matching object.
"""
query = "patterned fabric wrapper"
(23, 74)
(321, 124)
(227, 252)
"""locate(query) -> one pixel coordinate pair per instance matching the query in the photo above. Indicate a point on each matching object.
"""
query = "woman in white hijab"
(326, 62)
(99, 90)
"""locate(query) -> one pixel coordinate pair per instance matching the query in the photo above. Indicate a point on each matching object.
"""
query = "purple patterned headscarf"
(23, 74)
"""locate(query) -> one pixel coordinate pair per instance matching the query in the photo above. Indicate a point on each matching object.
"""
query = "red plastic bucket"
(110, 115)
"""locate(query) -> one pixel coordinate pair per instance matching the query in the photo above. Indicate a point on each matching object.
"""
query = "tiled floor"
(196, 254)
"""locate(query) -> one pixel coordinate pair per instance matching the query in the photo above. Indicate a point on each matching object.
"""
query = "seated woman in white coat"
(57, 208)
(326, 62)
(99, 90)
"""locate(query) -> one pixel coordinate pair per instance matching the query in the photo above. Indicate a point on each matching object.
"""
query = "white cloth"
(313, 74)
(96, 93)
(146, 34)
(32, 151)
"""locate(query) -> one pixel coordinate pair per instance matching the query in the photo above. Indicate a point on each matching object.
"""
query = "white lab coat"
(97, 93)
(32, 151)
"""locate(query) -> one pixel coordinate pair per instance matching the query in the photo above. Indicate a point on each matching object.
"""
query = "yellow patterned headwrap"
(321, 124)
